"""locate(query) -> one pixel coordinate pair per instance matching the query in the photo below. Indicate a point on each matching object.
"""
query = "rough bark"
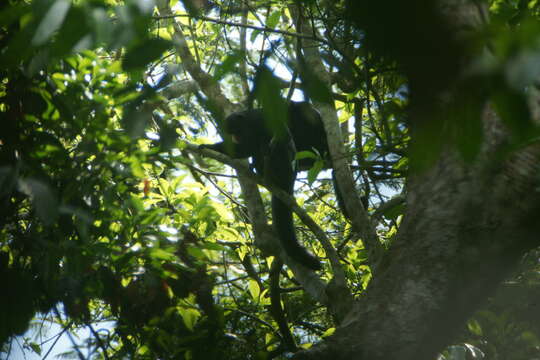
(220, 106)
(466, 227)
(265, 238)
(359, 217)
(336, 297)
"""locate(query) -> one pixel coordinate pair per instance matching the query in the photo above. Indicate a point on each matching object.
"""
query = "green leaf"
(254, 34)
(74, 29)
(190, 317)
(254, 289)
(34, 103)
(475, 327)
(228, 65)
(12, 13)
(196, 252)
(394, 211)
(51, 22)
(267, 90)
(160, 254)
(328, 332)
(213, 246)
(142, 54)
(42, 197)
(136, 203)
(135, 122)
(103, 26)
(514, 110)
(273, 19)
(305, 155)
(136, 167)
(35, 347)
(167, 137)
(315, 170)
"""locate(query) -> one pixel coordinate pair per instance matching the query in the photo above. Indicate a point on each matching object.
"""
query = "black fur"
(273, 158)
(308, 134)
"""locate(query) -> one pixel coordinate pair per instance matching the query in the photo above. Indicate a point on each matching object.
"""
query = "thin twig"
(56, 340)
(99, 341)
(68, 333)
(253, 27)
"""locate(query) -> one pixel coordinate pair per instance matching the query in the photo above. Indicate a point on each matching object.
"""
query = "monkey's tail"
(339, 196)
(283, 223)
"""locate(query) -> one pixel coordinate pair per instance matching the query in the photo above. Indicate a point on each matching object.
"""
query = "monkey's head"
(246, 127)
(236, 125)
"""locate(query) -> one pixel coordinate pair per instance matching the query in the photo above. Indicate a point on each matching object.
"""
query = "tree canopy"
(112, 219)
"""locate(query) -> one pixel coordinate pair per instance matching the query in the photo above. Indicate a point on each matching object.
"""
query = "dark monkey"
(273, 158)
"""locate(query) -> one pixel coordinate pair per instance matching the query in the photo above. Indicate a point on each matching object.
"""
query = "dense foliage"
(108, 214)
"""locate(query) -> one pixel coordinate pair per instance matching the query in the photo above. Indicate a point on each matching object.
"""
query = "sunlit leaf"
(189, 316)
(254, 289)
(273, 19)
(161, 254)
(214, 246)
(328, 332)
(196, 252)
(43, 199)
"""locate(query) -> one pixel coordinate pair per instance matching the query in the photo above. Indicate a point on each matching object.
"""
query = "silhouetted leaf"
(228, 65)
(74, 28)
(514, 110)
(144, 53)
(266, 90)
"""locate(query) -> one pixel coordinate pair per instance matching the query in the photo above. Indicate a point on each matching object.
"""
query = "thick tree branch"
(359, 216)
(338, 306)
(221, 106)
(265, 237)
(206, 83)
(467, 223)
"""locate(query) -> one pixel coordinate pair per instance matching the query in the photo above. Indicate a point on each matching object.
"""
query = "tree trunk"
(466, 227)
